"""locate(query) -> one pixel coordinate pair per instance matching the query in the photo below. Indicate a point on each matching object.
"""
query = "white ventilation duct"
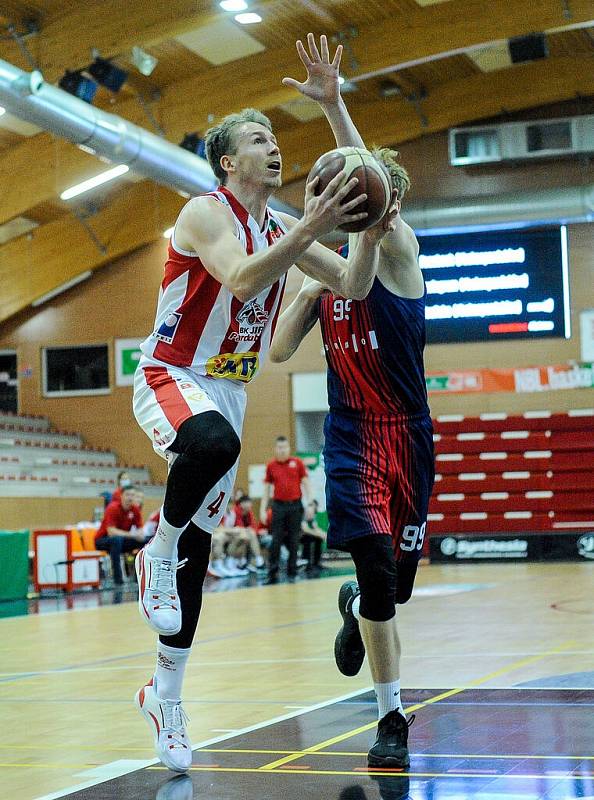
(563, 205)
(29, 97)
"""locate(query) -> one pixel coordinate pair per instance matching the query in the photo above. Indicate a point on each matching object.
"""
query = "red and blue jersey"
(374, 351)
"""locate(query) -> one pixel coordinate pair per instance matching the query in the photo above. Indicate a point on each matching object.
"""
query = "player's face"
(257, 158)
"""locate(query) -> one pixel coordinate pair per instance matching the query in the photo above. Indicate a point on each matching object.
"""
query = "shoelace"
(163, 580)
(175, 721)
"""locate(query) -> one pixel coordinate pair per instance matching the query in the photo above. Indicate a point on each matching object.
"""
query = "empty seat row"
(510, 521)
(576, 420)
(500, 461)
(512, 442)
(515, 481)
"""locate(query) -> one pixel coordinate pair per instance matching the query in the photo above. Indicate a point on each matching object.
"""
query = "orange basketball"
(374, 181)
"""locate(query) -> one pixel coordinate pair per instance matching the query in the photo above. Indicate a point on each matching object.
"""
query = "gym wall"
(119, 302)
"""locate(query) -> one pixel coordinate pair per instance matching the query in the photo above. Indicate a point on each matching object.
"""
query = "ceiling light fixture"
(107, 74)
(103, 177)
(77, 84)
(233, 5)
(248, 18)
(194, 143)
(144, 62)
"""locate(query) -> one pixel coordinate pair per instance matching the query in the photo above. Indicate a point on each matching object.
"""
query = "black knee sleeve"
(210, 436)
(194, 544)
(376, 575)
(207, 448)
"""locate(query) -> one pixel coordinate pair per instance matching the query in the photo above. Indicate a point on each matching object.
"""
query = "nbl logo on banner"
(166, 330)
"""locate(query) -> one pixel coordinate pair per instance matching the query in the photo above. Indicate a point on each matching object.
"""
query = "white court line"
(142, 764)
(247, 662)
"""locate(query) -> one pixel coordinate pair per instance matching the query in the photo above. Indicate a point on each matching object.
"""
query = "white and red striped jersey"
(200, 324)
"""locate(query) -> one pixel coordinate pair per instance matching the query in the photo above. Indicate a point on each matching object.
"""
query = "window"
(71, 371)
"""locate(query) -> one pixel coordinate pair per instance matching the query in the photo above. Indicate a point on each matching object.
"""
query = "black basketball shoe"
(390, 748)
(349, 650)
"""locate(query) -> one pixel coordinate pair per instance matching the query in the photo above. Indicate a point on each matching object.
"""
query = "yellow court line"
(416, 755)
(351, 753)
(393, 773)
(450, 693)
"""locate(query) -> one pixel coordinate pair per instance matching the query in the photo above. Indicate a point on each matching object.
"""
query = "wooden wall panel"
(119, 301)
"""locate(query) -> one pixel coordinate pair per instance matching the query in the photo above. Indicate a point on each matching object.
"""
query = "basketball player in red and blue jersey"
(378, 449)
(217, 311)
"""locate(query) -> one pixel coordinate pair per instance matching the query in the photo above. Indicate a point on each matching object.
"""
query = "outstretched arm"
(322, 86)
(296, 321)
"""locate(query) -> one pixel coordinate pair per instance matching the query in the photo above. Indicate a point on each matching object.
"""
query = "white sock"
(164, 542)
(355, 607)
(388, 698)
(169, 673)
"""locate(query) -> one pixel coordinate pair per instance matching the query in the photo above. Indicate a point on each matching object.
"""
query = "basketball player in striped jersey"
(378, 448)
(217, 311)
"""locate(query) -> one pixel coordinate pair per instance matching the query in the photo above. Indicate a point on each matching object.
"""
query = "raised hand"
(322, 74)
(326, 211)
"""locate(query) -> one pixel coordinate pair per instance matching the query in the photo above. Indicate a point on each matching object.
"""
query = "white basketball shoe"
(158, 601)
(167, 720)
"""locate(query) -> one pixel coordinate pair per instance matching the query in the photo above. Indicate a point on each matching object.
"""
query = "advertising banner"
(520, 380)
(574, 546)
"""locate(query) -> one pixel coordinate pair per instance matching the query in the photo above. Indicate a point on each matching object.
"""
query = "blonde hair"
(220, 139)
(389, 158)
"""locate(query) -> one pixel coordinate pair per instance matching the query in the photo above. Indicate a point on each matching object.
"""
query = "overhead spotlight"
(143, 61)
(233, 5)
(528, 48)
(388, 88)
(77, 84)
(107, 74)
(248, 18)
(2, 110)
(194, 143)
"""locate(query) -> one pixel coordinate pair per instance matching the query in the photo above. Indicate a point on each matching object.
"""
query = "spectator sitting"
(120, 530)
(245, 520)
(312, 538)
(123, 481)
(150, 526)
(229, 547)
(139, 500)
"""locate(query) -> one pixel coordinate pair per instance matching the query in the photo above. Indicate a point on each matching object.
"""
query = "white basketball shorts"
(165, 397)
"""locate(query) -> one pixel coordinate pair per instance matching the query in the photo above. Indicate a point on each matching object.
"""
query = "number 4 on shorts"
(214, 507)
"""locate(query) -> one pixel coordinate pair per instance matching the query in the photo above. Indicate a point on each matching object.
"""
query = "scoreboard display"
(495, 285)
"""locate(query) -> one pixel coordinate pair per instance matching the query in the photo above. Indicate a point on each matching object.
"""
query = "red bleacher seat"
(498, 473)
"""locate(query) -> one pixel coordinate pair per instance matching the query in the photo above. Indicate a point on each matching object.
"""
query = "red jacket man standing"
(286, 479)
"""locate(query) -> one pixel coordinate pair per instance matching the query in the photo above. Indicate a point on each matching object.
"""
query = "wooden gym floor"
(498, 666)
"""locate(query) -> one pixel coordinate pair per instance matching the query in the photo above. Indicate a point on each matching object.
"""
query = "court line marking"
(247, 662)
(394, 773)
(414, 755)
(61, 793)
(145, 653)
(363, 728)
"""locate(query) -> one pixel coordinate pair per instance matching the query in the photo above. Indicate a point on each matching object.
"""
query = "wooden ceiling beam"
(44, 166)
(58, 251)
(66, 41)
(391, 121)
